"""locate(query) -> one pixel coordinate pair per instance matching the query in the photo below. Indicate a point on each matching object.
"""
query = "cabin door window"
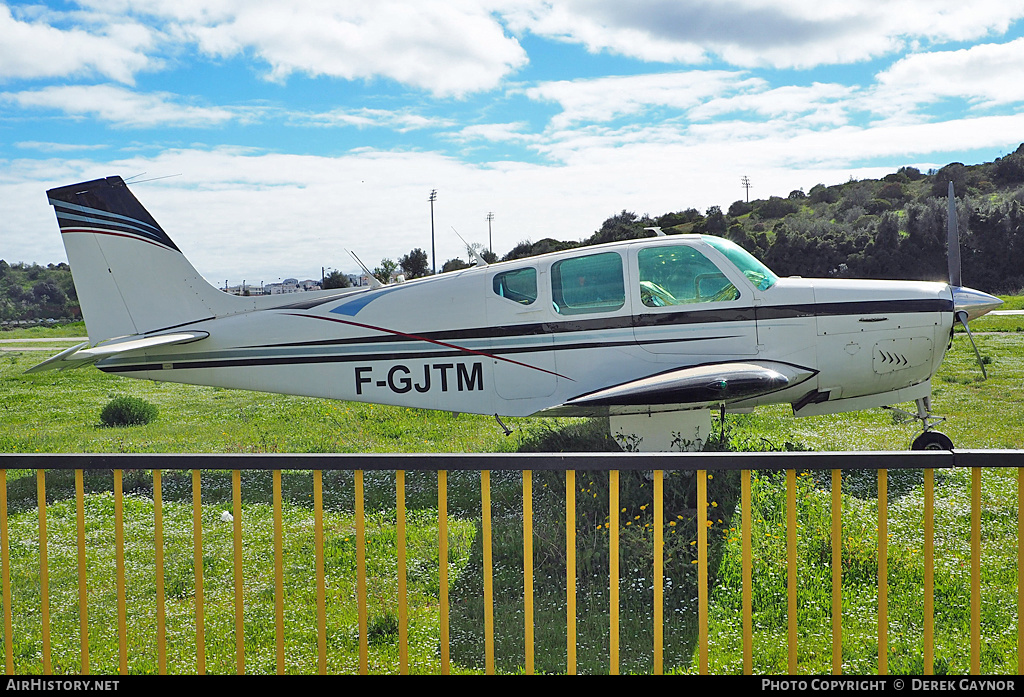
(685, 304)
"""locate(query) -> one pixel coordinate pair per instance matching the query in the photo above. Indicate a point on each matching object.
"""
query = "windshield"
(756, 272)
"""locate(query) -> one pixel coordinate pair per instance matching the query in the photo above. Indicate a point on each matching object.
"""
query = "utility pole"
(433, 253)
(745, 183)
(490, 238)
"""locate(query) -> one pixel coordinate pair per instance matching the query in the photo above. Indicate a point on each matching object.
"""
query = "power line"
(433, 252)
(745, 183)
(490, 238)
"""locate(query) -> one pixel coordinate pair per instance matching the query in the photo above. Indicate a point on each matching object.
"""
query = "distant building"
(290, 285)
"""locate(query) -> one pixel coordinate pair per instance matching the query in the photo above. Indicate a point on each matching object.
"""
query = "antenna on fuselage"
(374, 281)
(657, 231)
(151, 179)
(477, 259)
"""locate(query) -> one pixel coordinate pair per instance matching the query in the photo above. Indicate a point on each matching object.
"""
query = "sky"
(269, 138)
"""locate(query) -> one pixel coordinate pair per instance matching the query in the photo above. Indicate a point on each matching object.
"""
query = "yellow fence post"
(158, 546)
(1020, 571)
(442, 568)
(364, 649)
(44, 574)
(197, 563)
(83, 596)
(883, 572)
(702, 571)
(321, 590)
(613, 571)
(5, 578)
(485, 513)
(748, 567)
(278, 572)
(929, 572)
(403, 608)
(791, 566)
(122, 605)
(528, 569)
(837, 572)
(659, 574)
(570, 571)
(236, 506)
(976, 571)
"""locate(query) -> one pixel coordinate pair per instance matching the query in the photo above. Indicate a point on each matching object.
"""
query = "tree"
(622, 226)
(714, 223)
(414, 264)
(455, 264)
(385, 271)
(953, 172)
(739, 208)
(336, 279)
(48, 292)
(776, 207)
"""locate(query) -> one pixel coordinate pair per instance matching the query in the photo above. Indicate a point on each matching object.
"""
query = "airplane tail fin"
(130, 277)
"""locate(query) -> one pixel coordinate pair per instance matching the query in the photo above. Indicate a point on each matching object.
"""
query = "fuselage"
(523, 336)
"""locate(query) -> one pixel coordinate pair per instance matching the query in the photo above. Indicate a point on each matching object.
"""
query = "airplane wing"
(696, 386)
(79, 355)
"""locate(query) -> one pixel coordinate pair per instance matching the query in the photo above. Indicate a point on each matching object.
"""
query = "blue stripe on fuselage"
(352, 307)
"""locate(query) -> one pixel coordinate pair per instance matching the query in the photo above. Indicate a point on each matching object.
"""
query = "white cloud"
(494, 132)
(749, 33)
(986, 75)
(34, 49)
(123, 107)
(818, 104)
(608, 98)
(56, 147)
(402, 121)
(446, 47)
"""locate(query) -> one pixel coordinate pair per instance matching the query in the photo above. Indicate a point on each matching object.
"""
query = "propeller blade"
(953, 241)
(962, 318)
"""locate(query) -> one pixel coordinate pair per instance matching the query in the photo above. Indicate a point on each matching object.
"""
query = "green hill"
(893, 227)
(32, 293)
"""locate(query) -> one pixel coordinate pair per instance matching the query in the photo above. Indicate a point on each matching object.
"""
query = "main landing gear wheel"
(932, 440)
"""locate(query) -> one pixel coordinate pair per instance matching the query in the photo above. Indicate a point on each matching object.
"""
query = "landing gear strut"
(929, 439)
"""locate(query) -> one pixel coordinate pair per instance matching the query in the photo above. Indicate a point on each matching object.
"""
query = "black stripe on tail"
(106, 207)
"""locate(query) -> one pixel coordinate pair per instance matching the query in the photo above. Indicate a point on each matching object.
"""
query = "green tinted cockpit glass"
(756, 272)
(680, 275)
(592, 283)
(518, 286)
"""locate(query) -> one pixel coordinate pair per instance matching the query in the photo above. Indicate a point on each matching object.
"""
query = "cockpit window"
(680, 275)
(756, 272)
(518, 286)
(591, 283)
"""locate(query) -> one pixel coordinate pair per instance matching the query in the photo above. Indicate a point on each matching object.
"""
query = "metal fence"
(656, 465)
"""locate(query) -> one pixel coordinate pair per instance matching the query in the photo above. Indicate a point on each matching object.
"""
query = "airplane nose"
(974, 302)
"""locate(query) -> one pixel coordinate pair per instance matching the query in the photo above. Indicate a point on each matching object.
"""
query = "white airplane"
(651, 333)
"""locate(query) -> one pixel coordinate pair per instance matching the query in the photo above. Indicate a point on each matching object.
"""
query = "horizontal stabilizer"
(79, 355)
(702, 385)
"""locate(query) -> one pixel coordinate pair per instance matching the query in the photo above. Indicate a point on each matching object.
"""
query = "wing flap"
(80, 355)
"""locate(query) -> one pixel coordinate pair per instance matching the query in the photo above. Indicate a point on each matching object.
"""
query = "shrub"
(127, 411)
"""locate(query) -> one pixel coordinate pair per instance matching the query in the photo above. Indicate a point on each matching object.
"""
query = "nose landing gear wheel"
(932, 440)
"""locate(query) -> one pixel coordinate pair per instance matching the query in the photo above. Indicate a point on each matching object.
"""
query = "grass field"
(59, 412)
